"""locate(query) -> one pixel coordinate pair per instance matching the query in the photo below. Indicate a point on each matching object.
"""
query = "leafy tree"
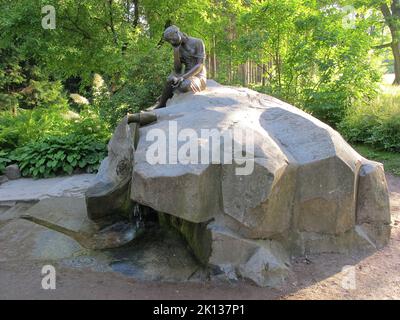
(298, 50)
(389, 17)
(308, 56)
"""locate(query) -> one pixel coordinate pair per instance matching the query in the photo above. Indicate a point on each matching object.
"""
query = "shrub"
(33, 125)
(43, 94)
(376, 123)
(4, 161)
(387, 134)
(139, 85)
(329, 107)
(53, 140)
(57, 155)
(90, 124)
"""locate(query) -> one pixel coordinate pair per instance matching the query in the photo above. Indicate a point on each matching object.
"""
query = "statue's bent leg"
(193, 84)
(167, 94)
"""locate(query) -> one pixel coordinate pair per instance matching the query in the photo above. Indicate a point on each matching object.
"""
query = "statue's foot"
(142, 118)
(134, 118)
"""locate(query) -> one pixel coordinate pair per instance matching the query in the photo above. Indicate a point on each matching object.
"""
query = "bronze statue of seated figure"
(190, 74)
(189, 65)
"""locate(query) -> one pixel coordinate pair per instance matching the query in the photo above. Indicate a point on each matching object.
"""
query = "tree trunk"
(243, 73)
(136, 13)
(230, 68)
(264, 70)
(396, 54)
(209, 64)
(392, 18)
(247, 73)
(214, 58)
(112, 27)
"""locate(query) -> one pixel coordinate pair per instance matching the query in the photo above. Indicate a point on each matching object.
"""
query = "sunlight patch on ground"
(388, 78)
(387, 87)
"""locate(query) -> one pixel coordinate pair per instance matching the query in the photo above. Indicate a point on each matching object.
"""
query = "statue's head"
(173, 35)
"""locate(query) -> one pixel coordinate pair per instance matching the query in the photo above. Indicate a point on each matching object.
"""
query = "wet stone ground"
(159, 254)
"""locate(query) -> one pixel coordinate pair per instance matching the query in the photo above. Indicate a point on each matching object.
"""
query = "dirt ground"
(372, 276)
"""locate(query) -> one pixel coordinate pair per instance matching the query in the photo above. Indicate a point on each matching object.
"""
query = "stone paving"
(157, 255)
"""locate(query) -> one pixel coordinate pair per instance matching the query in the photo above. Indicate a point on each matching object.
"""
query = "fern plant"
(4, 161)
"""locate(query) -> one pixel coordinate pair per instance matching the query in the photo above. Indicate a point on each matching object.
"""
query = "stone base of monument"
(109, 194)
(308, 190)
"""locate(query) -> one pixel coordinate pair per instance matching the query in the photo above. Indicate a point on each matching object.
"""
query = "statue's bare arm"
(177, 62)
(174, 76)
(200, 52)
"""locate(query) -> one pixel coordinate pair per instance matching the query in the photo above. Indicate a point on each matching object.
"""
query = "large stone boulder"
(294, 186)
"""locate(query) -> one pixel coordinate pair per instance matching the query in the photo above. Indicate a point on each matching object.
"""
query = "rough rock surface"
(309, 192)
(373, 205)
(12, 172)
(3, 179)
(109, 193)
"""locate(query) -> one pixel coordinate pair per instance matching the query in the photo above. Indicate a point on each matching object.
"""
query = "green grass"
(391, 160)
(375, 123)
(389, 99)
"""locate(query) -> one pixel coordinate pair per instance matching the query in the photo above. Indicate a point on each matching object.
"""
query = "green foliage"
(376, 123)
(312, 59)
(57, 155)
(23, 85)
(138, 87)
(391, 160)
(4, 161)
(30, 125)
(43, 94)
(46, 142)
(89, 124)
(305, 53)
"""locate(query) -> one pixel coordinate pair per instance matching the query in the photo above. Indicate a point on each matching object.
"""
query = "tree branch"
(136, 13)
(382, 46)
(77, 28)
(110, 3)
(387, 14)
(386, 11)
